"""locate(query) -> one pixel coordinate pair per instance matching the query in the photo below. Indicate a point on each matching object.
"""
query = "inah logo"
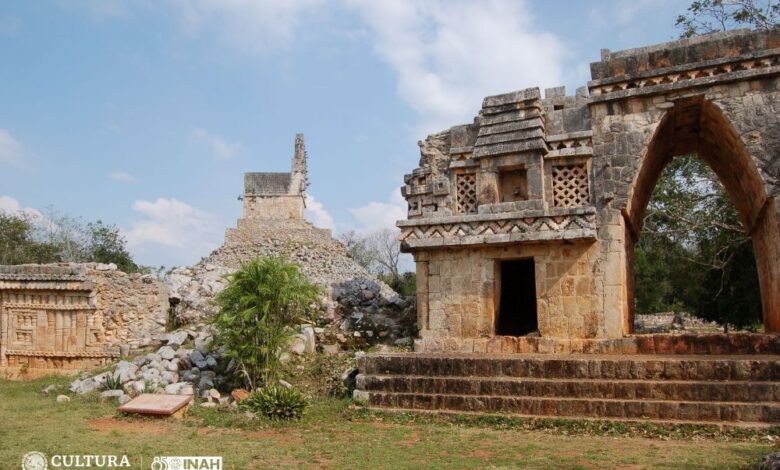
(34, 461)
(187, 463)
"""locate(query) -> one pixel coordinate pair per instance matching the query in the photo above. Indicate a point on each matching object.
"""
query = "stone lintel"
(570, 152)
(511, 116)
(704, 64)
(530, 133)
(569, 136)
(512, 97)
(511, 147)
(686, 84)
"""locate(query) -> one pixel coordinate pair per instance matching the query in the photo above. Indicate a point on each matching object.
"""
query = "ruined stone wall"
(74, 316)
(273, 207)
(133, 307)
(457, 292)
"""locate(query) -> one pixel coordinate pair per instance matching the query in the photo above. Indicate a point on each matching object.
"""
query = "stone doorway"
(517, 298)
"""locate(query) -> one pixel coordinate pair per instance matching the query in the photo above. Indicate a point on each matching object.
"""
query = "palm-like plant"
(257, 309)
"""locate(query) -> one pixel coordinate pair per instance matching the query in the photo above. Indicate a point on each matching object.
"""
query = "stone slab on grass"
(157, 405)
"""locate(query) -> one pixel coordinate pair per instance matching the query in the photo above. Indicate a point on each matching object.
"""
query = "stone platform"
(736, 390)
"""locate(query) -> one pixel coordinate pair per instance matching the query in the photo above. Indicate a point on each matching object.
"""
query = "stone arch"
(697, 126)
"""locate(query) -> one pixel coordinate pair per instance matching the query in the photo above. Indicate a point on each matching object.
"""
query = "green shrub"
(276, 402)
(257, 311)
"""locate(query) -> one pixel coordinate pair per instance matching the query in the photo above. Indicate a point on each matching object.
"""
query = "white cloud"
(378, 215)
(450, 54)
(248, 25)
(11, 151)
(171, 232)
(217, 145)
(123, 177)
(317, 214)
(11, 206)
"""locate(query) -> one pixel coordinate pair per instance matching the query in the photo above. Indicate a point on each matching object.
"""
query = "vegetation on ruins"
(709, 16)
(257, 310)
(693, 254)
(53, 238)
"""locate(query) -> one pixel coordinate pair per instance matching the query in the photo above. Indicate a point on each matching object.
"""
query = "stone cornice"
(491, 229)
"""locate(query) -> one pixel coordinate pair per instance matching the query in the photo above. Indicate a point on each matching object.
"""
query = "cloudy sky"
(146, 113)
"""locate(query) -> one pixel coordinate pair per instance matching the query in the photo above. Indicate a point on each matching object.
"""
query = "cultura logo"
(34, 461)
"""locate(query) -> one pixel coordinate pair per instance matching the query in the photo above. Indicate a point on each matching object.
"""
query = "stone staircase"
(737, 390)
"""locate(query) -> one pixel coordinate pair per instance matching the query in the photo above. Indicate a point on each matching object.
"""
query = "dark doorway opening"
(517, 307)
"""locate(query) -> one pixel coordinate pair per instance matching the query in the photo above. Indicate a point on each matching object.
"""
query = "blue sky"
(146, 113)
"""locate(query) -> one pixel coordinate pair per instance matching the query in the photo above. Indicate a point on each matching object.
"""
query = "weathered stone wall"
(273, 207)
(75, 316)
(457, 293)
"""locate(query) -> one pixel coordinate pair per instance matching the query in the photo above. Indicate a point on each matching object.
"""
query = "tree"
(386, 250)
(60, 238)
(257, 309)
(379, 252)
(709, 16)
(358, 249)
(18, 244)
(693, 254)
(106, 245)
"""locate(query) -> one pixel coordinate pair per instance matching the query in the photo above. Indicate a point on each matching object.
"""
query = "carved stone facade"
(73, 316)
(543, 197)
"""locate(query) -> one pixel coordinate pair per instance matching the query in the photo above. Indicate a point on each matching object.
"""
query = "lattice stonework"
(570, 186)
(467, 193)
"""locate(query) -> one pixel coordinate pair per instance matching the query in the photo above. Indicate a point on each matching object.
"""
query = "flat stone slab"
(156, 404)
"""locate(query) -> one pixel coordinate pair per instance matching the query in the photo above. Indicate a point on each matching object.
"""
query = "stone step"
(752, 368)
(699, 391)
(680, 411)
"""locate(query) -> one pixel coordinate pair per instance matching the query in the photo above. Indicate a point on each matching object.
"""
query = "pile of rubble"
(172, 369)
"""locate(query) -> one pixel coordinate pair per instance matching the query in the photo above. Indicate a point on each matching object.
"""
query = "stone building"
(68, 317)
(278, 196)
(522, 223)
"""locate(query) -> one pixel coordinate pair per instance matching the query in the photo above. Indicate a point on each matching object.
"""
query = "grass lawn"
(334, 436)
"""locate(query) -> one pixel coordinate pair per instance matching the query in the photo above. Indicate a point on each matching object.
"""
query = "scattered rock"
(177, 338)
(239, 394)
(166, 352)
(285, 383)
(50, 388)
(63, 399)
(85, 386)
(108, 394)
(123, 399)
(298, 345)
(771, 462)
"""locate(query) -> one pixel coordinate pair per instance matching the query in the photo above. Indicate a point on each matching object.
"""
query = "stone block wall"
(273, 207)
(67, 317)
(457, 292)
